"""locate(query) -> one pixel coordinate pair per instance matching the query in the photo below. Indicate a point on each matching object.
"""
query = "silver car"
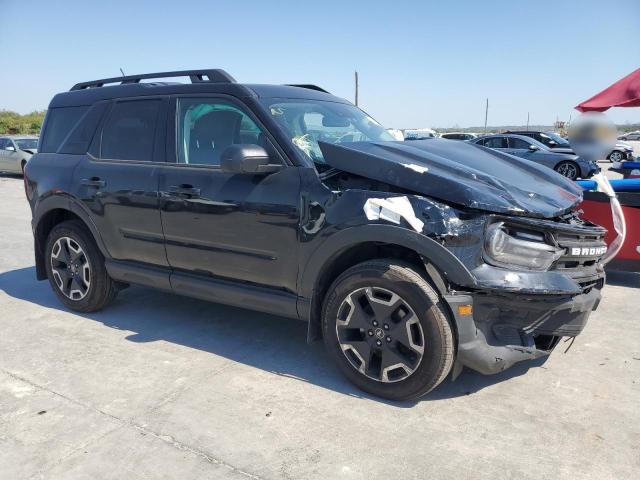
(630, 136)
(15, 152)
(568, 165)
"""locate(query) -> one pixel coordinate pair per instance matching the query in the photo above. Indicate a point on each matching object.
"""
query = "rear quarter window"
(58, 124)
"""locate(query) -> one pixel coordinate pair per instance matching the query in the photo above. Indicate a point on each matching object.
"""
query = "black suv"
(411, 260)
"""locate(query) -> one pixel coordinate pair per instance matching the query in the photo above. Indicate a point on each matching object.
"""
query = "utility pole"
(356, 78)
(527, 121)
(486, 114)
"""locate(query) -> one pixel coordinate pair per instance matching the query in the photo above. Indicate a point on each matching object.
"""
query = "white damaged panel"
(392, 210)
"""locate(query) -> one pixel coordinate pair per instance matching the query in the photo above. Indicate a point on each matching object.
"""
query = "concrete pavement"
(160, 386)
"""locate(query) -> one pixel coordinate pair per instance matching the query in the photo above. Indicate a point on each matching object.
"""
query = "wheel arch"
(50, 212)
(358, 244)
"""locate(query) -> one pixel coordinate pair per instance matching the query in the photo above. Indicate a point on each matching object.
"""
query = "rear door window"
(129, 132)
(496, 142)
(518, 144)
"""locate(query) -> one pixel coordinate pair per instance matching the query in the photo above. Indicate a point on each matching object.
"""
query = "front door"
(241, 227)
(519, 147)
(118, 180)
(8, 156)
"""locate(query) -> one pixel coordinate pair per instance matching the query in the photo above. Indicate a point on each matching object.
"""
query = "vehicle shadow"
(274, 344)
(623, 279)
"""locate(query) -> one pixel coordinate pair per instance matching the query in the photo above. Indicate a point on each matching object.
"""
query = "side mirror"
(552, 143)
(247, 159)
(533, 148)
(10, 148)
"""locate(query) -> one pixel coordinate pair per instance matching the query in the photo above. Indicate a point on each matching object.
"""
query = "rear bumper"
(508, 328)
(589, 171)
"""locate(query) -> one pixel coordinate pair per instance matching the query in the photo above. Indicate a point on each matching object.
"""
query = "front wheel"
(76, 270)
(387, 331)
(567, 169)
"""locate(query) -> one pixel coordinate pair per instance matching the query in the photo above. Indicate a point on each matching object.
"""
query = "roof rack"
(307, 85)
(196, 76)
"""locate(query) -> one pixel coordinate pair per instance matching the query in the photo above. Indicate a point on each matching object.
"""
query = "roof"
(87, 93)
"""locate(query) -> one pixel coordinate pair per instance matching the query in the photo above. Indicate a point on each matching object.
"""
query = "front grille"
(581, 250)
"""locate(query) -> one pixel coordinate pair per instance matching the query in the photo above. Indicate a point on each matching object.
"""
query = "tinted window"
(3, 143)
(518, 143)
(207, 127)
(496, 142)
(29, 143)
(58, 124)
(130, 130)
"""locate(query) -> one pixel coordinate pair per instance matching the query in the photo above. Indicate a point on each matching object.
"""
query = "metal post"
(486, 114)
(356, 88)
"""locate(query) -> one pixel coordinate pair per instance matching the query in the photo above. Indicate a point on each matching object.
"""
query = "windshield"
(309, 121)
(556, 138)
(26, 143)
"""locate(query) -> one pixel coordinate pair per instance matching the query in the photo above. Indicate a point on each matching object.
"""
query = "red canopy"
(623, 93)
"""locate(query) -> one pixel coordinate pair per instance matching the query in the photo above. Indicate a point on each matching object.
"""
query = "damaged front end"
(519, 313)
(532, 271)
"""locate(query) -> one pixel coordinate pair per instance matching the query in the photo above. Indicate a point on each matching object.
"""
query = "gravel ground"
(160, 386)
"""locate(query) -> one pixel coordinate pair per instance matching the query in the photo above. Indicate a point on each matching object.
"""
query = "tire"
(22, 165)
(568, 169)
(418, 321)
(615, 156)
(75, 268)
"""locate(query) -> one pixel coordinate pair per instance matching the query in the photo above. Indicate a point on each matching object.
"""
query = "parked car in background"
(396, 134)
(15, 152)
(630, 136)
(419, 133)
(622, 151)
(566, 164)
(458, 136)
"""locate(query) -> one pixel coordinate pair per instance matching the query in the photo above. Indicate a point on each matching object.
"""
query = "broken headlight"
(518, 249)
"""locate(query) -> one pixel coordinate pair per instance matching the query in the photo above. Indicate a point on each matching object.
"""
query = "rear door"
(118, 180)
(242, 227)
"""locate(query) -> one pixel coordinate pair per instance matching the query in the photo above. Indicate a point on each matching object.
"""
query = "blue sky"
(420, 63)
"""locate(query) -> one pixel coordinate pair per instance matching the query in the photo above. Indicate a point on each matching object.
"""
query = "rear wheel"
(616, 156)
(76, 270)
(387, 331)
(567, 169)
(22, 165)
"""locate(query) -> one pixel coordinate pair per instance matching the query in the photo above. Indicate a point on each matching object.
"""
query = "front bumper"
(511, 327)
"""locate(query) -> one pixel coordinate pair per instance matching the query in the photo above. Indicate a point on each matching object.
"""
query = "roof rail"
(196, 76)
(307, 85)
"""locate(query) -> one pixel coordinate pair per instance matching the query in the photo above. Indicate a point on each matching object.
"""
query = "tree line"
(12, 123)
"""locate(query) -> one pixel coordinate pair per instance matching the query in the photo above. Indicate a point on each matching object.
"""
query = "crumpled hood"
(459, 173)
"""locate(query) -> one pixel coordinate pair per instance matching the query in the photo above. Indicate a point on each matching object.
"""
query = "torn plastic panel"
(460, 174)
(392, 209)
(510, 328)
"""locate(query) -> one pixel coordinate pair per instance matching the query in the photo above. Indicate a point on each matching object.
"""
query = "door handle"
(93, 182)
(184, 191)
